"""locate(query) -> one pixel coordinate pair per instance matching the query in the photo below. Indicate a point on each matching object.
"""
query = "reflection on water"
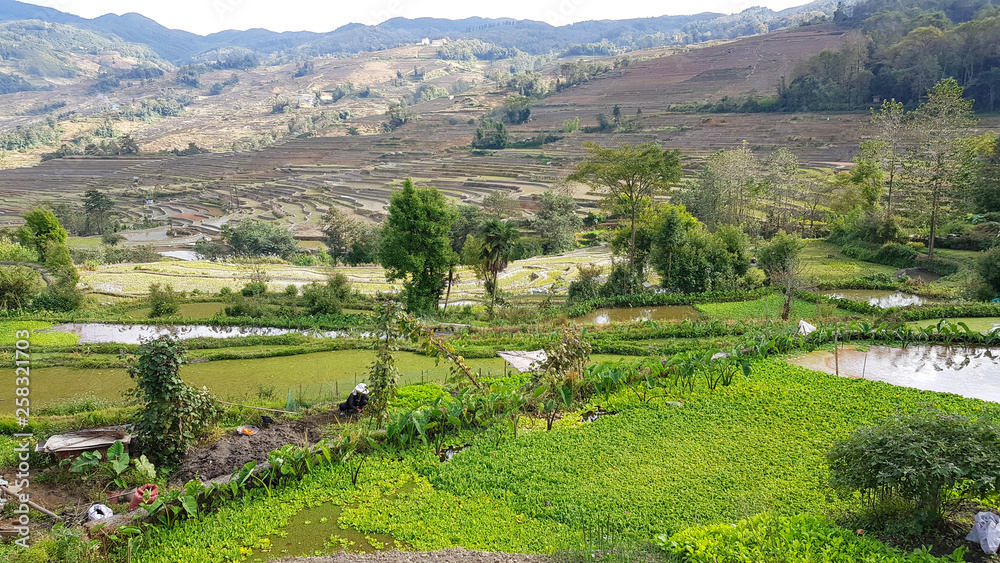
(99, 333)
(631, 314)
(188, 255)
(967, 371)
(878, 298)
(146, 236)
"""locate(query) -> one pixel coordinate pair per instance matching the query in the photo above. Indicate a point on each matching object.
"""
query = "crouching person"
(356, 401)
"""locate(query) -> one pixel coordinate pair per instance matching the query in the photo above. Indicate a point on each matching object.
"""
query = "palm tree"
(499, 239)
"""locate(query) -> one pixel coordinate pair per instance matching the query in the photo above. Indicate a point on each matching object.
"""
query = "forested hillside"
(900, 49)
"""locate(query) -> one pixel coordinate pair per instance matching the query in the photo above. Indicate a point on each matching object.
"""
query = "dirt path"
(446, 556)
(233, 450)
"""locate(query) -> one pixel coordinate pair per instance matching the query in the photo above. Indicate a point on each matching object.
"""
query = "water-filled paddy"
(319, 374)
(878, 298)
(190, 310)
(966, 371)
(675, 313)
(100, 333)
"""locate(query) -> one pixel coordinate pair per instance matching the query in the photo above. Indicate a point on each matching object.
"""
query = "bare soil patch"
(233, 450)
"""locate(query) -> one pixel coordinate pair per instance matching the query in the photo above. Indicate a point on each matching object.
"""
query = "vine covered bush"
(174, 414)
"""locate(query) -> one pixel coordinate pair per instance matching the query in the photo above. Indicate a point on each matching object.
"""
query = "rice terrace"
(578, 283)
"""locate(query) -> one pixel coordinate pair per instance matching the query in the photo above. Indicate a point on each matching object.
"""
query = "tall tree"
(499, 239)
(631, 176)
(40, 229)
(938, 125)
(887, 129)
(501, 205)
(97, 205)
(416, 247)
(557, 222)
(727, 188)
(779, 259)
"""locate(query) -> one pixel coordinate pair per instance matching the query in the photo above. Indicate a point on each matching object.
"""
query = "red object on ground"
(137, 497)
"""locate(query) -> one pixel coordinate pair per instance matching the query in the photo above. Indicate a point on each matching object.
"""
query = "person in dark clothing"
(356, 401)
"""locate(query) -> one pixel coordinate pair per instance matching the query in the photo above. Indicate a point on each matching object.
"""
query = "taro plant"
(115, 468)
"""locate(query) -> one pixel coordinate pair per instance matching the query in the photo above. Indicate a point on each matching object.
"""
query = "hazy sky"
(207, 16)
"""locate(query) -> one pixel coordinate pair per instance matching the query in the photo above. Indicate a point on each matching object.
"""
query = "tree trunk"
(451, 275)
(788, 305)
(934, 204)
(631, 242)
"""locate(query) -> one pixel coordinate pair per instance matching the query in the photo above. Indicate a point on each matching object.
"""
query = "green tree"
(416, 247)
(399, 114)
(986, 184)
(557, 222)
(96, 205)
(328, 298)
(938, 124)
(19, 286)
(259, 238)
(499, 240)
(501, 205)
(491, 134)
(162, 301)
(631, 176)
(779, 259)
(516, 110)
(727, 189)
(41, 227)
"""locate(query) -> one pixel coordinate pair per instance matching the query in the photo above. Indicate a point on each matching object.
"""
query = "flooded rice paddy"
(101, 333)
(966, 371)
(676, 313)
(878, 298)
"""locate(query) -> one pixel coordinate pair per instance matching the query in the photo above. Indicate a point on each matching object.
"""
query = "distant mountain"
(526, 35)
(46, 50)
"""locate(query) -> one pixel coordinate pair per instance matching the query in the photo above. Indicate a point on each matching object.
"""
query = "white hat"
(361, 388)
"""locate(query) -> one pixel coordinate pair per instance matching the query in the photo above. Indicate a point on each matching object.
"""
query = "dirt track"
(446, 556)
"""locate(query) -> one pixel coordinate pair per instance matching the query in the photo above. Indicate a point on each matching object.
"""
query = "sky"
(208, 16)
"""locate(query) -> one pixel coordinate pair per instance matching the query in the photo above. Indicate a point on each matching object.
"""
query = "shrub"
(624, 279)
(916, 458)
(795, 539)
(896, 255)
(587, 287)
(328, 298)
(19, 285)
(174, 413)
(253, 289)
(989, 268)
(162, 301)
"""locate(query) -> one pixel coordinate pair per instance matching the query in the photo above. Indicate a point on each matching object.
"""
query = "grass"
(9, 329)
(772, 306)
(755, 447)
(823, 262)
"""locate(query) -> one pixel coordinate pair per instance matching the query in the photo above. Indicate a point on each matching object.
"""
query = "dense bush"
(624, 279)
(916, 458)
(328, 298)
(896, 255)
(989, 268)
(794, 539)
(174, 414)
(162, 301)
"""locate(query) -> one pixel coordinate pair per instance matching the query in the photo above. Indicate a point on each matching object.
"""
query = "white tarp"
(84, 440)
(985, 532)
(524, 361)
(805, 328)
